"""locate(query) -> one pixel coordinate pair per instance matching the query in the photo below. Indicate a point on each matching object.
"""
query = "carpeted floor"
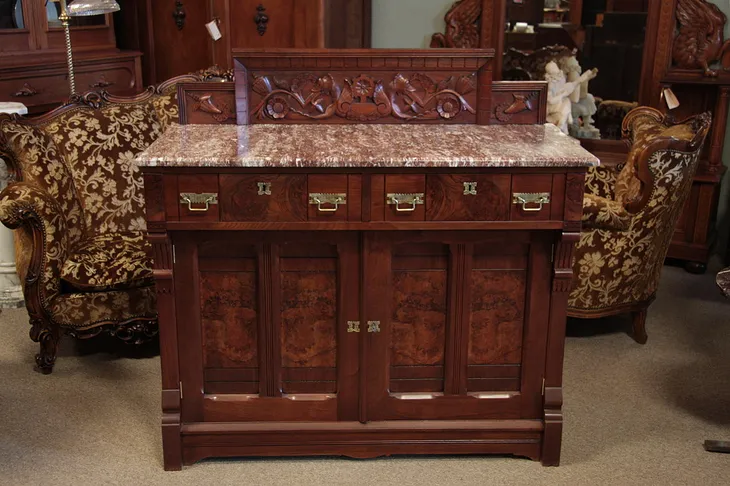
(633, 414)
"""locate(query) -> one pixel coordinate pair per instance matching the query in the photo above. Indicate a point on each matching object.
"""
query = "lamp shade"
(82, 8)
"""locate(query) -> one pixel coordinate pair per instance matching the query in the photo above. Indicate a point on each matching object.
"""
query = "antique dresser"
(375, 260)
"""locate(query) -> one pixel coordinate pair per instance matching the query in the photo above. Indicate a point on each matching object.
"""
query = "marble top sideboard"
(322, 146)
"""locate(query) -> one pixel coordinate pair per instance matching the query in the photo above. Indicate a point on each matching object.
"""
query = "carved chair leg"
(638, 326)
(48, 336)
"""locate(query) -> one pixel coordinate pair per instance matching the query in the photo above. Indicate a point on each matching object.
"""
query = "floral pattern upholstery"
(619, 257)
(109, 262)
(81, 191)
(600, 212)
(84, 311)
(99, 147)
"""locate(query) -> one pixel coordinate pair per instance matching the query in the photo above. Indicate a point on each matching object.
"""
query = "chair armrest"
(602, 213)
(600, 181)
(25, 205)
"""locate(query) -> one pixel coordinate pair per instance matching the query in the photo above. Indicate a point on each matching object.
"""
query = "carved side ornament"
(462, 26)
(699, 41)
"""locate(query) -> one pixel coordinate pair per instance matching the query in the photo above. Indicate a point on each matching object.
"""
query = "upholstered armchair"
(629, 218)
(76, 200)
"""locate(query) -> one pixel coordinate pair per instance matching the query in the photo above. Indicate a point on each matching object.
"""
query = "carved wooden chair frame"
(44, 329)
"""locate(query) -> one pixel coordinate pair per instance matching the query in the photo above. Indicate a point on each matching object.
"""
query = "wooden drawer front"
(51, 85)
(328, 198)
(409, 191)
(198, 197)
(112, 78)
(528, 187)
(263, 197)
(464, 197)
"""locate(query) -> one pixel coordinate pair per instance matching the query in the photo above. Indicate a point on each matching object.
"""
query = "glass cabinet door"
(11, 14)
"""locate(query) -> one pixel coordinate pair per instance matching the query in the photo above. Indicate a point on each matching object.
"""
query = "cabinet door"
(456, 325)
(263, 326)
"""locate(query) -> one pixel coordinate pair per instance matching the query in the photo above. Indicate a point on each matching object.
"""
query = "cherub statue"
(583, 103)
(559, 109)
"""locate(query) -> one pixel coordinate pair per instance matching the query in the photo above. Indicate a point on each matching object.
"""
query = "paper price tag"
(670, 98)
(213, 30)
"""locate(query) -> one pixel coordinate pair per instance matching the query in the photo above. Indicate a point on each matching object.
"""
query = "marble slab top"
(322, 146)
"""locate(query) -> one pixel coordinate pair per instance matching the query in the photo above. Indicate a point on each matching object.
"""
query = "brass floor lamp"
(80, 8)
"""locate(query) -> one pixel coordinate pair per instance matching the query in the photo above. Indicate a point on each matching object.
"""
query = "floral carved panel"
(362, 98)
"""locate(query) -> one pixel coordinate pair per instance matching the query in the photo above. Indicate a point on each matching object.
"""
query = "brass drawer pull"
(206, 198)
(398, 199)
(330, 199)
(525, 198)
(353, 326)
(373, 326)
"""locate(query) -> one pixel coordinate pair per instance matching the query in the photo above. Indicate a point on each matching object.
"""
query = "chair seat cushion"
(109, 262)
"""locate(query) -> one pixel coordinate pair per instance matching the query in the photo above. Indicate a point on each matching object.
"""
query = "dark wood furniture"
(33, 67)
(365, 271)
(173, 37)
(723, 281)
(670, 59)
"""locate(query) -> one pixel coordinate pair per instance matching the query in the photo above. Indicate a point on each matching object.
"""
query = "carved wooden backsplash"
(363, 86)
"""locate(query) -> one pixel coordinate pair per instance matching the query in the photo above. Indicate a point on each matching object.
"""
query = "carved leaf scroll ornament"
(362, 98)
(699, 41)
(462, 26)
(520, 102)
(219, 111)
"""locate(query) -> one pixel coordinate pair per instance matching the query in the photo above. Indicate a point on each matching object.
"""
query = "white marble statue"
(560, 92)
(583, 103)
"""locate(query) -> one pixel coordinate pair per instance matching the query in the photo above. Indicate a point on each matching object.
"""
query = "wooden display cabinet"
(33, 67)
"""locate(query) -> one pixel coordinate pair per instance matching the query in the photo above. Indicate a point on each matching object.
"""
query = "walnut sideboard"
(361, 289)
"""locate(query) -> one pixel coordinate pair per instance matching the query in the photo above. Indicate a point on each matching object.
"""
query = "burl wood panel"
(207, 103)
(281, 198)
(498, 293)
(418, 326)
(308, 321)
(229, 322)
(452, 198)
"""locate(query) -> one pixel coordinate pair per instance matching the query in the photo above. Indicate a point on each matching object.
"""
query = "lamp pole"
(66, 23)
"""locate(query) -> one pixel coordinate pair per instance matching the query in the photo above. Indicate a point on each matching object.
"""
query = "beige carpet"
(633, 414)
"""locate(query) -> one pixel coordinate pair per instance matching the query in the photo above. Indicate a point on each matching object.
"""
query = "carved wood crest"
(699, 41)
(462, 25)
(363, 98)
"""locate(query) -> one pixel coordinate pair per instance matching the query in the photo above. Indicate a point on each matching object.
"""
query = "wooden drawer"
(290, 198)
(531, 197)
(468, 197)
(405, 197)
(263, 197)
(198, 198)
(44, 85)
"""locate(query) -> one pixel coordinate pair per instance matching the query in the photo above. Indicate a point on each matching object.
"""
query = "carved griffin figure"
(462, 26)
(700, 41)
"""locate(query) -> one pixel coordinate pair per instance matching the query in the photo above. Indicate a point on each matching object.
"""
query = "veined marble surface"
(321, 145)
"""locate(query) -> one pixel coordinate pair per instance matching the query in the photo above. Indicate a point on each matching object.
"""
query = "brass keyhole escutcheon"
(264, 188)
(470, 188)
(373, 326)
